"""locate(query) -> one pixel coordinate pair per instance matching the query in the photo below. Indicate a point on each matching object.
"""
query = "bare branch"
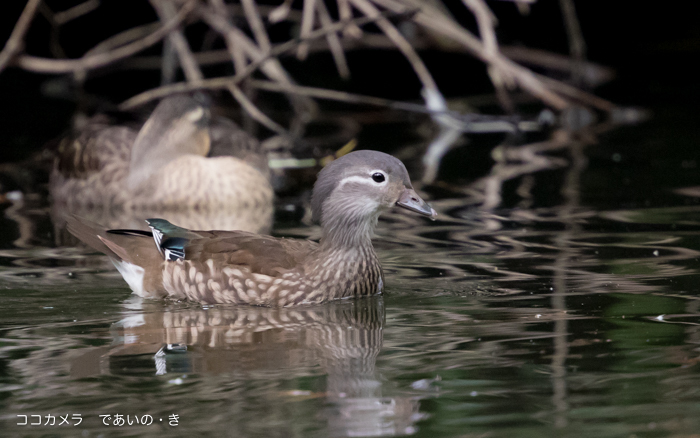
(16, 41)
(233, 46)
(404, 46)
(345, 13)
(167, 11)
(487, 23)
(307, 25)
(254, 111)
(333, 42)
(76, 11)
(125, 37)
(256, 24)
(214, 21)
(577, 45)
(341, 96)
(281, 12)
(269, 65)
(89, 62)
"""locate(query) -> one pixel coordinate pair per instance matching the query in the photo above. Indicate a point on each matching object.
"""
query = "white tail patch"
(133, 274)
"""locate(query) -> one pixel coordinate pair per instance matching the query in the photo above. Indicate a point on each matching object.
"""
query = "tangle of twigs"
(243, 27)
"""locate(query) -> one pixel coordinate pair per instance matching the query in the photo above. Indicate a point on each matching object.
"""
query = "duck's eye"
(378, 177)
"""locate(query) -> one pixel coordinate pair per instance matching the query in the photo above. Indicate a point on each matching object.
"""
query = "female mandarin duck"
(245, 268)
(164, 167)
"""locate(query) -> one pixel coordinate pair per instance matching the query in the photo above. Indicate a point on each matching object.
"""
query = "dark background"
(653, 49)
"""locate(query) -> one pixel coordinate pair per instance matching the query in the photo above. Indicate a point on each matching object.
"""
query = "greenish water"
(571, 309)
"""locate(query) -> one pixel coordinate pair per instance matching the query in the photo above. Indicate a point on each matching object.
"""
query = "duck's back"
(257, 254)
(94, 163)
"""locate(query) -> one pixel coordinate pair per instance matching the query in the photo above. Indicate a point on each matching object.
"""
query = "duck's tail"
(133, 252)
(114, 243)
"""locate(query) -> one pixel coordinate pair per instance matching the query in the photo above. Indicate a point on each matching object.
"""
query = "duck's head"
(357, 187)
(178, 126)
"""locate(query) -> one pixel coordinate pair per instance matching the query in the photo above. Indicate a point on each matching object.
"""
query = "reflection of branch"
(528, 160)
(46, 65)
(562, 267)
(16, 41)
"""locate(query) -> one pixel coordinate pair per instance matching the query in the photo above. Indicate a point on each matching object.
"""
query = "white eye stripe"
(356, 179)
(364, 179)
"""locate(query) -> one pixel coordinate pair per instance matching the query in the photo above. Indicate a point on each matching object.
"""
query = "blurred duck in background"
(198, 171)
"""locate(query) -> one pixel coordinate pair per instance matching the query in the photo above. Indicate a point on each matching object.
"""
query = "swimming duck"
(245, 268)
(164, 167)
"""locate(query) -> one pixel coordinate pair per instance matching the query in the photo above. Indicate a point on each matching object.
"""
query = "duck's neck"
(347, 227)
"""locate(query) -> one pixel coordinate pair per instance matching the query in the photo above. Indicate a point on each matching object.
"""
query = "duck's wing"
(259, 254)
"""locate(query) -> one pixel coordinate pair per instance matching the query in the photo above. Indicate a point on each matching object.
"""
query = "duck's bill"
(411, 201)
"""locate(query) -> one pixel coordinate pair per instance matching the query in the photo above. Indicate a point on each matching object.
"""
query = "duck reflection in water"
(268, 345)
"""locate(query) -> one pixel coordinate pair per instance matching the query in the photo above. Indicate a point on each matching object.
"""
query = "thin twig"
(167, 11)
(404, 46)
(169, 63)
(333, 42)
(54, 45)
(256, 25)
(345, 14)
(593, 74)
(46, 65)
(125, 37)
(70, 14)
(307, 25)
(487, 22)
(236, 53)
(439, 23)
(237, 50)
(270, 66)
(577, 45)
(167, 90)
(340, 96)
(523, 76)
(237, 56)
(280, 12)
(254, 111)
(464, 123)
(16, 41)
(577, 94)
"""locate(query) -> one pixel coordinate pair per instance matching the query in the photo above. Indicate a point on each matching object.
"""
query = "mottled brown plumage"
(246, 268)
(165, 167)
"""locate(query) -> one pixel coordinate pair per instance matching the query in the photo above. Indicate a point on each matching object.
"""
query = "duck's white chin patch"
(133, 274)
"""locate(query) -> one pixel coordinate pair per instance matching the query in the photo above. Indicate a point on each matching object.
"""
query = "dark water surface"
(569, 309)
